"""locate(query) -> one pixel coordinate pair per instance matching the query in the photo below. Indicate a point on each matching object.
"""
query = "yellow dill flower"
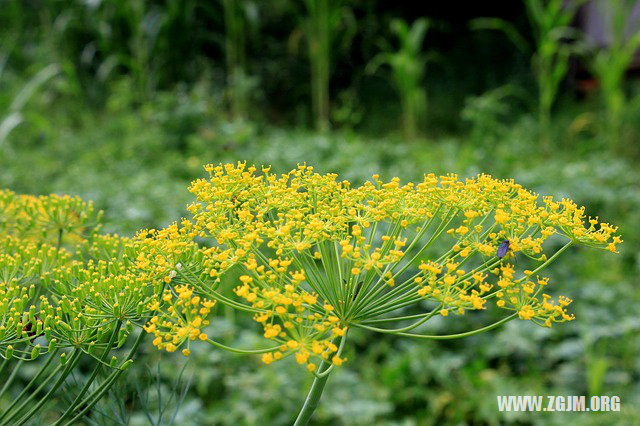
(319, 256)
(180, 319)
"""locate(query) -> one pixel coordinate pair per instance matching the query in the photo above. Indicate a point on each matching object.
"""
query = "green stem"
(104, 387)
(215, 295)
(10, 380)
(97, 368)
(241, 351)
(328, 371)
(440, 337)
(68, 367)
(552, 258)
(59, 241)
(313, 398)
(4, 365)
(36, 379)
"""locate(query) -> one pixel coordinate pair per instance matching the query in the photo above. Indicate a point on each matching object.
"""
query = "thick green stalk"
(313, 398)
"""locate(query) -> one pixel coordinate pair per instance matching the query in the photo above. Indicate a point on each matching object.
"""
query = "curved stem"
(317, 387)
(11, 377)
(217, 296)
(311, 403)
(419, 322)
(330, 369)
(552, 258)
(241, 351)
(440, 337)
(393, 319)
(4, 365)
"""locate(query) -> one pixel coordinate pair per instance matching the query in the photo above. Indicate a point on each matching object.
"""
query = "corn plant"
(554, 42)
(318, 257)
(408, 67)
(322, 28)
(238, 82)
(609, 64)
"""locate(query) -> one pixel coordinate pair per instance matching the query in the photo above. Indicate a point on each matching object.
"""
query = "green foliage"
(238, 14)
(12, 115)
(408, 67)
(609, 64)
(554, 43)
(324, 27)
(550, 21)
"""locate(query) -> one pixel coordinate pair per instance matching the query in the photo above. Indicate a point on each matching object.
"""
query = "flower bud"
(63, 325)
(122, 337)
(35, 352)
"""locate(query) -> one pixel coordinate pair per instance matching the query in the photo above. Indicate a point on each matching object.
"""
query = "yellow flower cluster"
(48, 217)
(289, 314)
(179, 318)
(320, 256)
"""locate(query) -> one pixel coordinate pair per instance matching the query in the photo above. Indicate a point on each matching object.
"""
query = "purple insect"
(503, 248)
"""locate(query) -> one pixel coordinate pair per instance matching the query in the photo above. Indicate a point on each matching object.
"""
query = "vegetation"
(122, 102)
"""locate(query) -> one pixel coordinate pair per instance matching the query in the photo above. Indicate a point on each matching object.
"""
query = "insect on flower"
(355, 294)
(503, 248)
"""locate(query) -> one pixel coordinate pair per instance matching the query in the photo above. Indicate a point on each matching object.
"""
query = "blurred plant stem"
(610, 64)
(11, 118)
(235, 57)
(408, 65)
(319, 28)
(554, 42)
(550, 21)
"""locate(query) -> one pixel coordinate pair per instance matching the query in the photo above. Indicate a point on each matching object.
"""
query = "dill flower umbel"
(320, 256)
(66, 292)
(181, 321)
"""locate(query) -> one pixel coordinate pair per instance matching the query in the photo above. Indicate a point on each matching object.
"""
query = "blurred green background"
(122, 102)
